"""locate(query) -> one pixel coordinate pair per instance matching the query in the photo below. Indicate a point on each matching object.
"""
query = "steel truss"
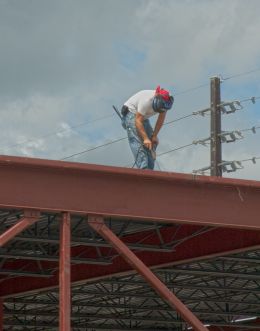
(127, 302)
(208, 274)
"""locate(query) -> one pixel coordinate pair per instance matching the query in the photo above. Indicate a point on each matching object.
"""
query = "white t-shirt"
(142, 102)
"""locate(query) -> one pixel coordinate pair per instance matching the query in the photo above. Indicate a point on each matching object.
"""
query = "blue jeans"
(142, 155)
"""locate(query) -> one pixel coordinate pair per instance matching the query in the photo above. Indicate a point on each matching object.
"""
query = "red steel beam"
(64, 274)
(1, 314)
(111, 191)
(97, 223)
(30, 217)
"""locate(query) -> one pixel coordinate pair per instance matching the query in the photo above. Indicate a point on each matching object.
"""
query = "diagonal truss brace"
(30, 217)
(97, 223)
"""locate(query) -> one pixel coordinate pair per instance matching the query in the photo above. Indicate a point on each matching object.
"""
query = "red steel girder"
(97, 223)
(30, 217)
(64, 273)
(141, 194)
(1, 314)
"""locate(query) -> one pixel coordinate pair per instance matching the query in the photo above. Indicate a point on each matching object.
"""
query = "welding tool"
(117, 111)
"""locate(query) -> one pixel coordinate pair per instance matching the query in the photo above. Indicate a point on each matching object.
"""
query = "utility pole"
(215, 128)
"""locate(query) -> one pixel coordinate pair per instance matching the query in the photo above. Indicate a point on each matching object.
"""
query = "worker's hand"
(155, 141)
(148, 143)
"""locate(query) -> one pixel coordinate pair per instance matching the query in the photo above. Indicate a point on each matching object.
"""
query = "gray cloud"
(66, 62)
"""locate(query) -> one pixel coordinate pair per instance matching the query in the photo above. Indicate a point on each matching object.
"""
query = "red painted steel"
(64, 273)
(220, 241)
(1, 314)
(166, 197)
(97, 223)
(30, 217)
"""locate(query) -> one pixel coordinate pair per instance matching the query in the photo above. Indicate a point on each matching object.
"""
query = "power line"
(252, 99)
(251, 159)
(200, 112)
(222, 79)
(240, 74)
(253, 129)
(60, 131)
(176, 149)
(227, 136)
(170, 151)
(191, 89)
(107, 116)
(228, 107)
(86, 123)
(202, 142)
(204, 111)
(228, 166)
(194, 113)
(93, 148)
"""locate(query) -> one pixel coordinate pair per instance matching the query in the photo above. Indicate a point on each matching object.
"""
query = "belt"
(124, 110)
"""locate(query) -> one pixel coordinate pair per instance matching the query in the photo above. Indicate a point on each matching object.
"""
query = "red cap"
(164, 93)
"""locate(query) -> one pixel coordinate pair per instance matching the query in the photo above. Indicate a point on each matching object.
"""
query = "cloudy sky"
(64, 63)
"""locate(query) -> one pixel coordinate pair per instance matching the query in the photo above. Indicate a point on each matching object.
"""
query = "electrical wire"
(196, 142)
(240, 74)
(170, 151)
(222, 78)
(60, 131)
(251, 159)
(107, 116)
(178, 119)
(195, 113)
(253, 129)
(202, 112)
(93, 148)
(176, 149)
(235, 164)
(117, 140)
(191, 89)
(252, 99)
(238, 102)
(85, 123)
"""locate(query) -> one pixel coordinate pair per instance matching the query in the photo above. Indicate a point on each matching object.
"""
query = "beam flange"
(112, 191)
(97, 223)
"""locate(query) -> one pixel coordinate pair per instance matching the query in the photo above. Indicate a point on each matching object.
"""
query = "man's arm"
(157, 128)
(139, 118)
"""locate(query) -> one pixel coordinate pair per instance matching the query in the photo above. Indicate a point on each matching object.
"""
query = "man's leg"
(149, 130)
(141, 154)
